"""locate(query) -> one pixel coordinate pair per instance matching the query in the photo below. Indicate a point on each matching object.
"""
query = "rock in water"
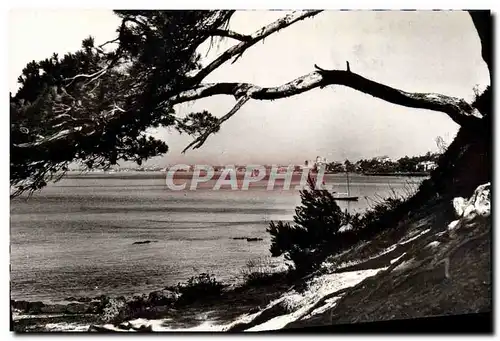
(144, 242)
(253, 239)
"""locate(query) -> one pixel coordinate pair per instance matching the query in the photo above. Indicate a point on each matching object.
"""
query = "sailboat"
(346, 196)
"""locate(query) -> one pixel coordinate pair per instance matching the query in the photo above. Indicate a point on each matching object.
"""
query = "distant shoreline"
(419, 174)
(187, 175)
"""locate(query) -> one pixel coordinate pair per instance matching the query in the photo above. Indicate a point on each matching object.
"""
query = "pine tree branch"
(254, 38)
(198, 142)
(92, 76)
(112, 41)
(231, 34)
(236, 50)
(457, 109)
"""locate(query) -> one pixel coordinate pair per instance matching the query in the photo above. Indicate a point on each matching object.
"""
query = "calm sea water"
(75, 238)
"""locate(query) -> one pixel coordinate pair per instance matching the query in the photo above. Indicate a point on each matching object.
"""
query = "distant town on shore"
(381, 165)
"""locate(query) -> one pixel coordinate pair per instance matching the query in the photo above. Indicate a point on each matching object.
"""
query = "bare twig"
(231, 34)
(93, 76)
(112, 41)
(255, 38)
(198, 142)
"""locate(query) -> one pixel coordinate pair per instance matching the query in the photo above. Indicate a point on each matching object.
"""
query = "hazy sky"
(413, 51)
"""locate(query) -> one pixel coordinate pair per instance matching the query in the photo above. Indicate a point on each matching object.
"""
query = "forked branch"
(457, 109)
(254, 38)
(198, 142)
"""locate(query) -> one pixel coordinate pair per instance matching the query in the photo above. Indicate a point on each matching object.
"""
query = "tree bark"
(458, 109)
(483, 21)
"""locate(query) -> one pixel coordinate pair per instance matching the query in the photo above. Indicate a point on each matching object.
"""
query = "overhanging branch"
(235, 51)
(73, 130)
(457, 109)
(231, 34)
(198, 142)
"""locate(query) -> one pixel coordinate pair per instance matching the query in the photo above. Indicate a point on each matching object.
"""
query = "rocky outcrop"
(468, 211)
(77, 308)
(163, 297)
(36, 308)
(27, 307)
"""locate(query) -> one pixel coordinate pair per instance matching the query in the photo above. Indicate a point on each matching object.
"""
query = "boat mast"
(348, 189)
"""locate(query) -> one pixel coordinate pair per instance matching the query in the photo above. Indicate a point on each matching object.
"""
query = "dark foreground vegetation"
(183, 302)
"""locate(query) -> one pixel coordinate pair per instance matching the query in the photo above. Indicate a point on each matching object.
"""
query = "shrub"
(137, 306)
(260, 272)
(316, 228)
(198, 286)
(162, 297)
(115, 310)
(319, 227)
(377, 213)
